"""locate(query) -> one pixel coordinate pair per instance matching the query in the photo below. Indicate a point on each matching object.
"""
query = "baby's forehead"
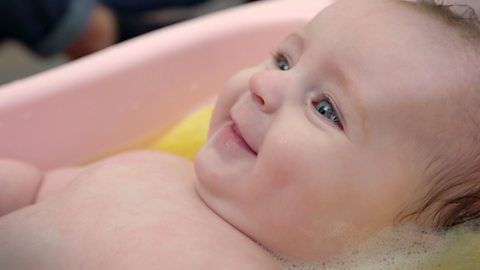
(388, 28)
(365, 21)
(369, 36)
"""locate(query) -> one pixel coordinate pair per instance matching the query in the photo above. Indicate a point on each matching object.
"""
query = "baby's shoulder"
(134, 177)
(127, 169)
(139, 210)
(159, 160)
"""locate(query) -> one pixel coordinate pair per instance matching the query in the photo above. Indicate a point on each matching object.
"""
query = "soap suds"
(405, 247)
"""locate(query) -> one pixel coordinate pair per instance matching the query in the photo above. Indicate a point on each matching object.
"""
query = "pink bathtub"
(124, 96)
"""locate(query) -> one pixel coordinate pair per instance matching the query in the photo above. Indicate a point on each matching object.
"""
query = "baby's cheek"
(230, 94)
(238, 83)
(282, 166)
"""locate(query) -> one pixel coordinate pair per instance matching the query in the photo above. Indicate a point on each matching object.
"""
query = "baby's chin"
(206, 184)
(204, 168)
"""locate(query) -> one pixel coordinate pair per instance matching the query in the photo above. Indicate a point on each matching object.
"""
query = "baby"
(365, 119)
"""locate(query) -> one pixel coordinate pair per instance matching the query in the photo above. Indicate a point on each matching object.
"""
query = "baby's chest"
(126, 228)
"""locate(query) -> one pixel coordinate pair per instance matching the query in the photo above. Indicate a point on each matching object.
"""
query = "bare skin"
(134, 211)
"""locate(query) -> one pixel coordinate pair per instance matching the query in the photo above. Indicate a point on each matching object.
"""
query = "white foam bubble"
(405, 247)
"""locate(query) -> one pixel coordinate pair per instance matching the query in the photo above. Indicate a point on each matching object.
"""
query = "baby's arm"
(19, 183)
(56, 180)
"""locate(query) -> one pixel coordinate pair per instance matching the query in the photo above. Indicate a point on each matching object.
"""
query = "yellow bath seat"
(463, 253)
(188, 136)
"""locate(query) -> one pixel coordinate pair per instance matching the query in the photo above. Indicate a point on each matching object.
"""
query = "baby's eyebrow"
(296, 39)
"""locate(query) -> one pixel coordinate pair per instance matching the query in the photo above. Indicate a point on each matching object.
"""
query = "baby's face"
(315, 149)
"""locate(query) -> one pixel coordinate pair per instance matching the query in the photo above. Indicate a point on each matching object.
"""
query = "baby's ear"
(19, 183)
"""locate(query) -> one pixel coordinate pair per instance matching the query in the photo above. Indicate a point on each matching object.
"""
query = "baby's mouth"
(239, 134)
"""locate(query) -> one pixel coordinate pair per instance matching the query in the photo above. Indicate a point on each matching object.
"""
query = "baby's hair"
(453, 13)
(454, 196)
(462, 17)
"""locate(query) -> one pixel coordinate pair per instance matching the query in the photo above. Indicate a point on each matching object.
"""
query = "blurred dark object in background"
(137, 17)
(42, 34)
(81, 27)
(45, 26)
(130, 6)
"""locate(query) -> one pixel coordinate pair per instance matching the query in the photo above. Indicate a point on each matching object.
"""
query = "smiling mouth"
(243, 141)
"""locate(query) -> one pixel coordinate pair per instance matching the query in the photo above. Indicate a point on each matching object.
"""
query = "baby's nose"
(268, 89)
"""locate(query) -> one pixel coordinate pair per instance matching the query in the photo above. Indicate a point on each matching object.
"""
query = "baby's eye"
(281, 61)
(326, 109)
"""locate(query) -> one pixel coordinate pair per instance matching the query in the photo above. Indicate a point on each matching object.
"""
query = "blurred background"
(41, 34)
